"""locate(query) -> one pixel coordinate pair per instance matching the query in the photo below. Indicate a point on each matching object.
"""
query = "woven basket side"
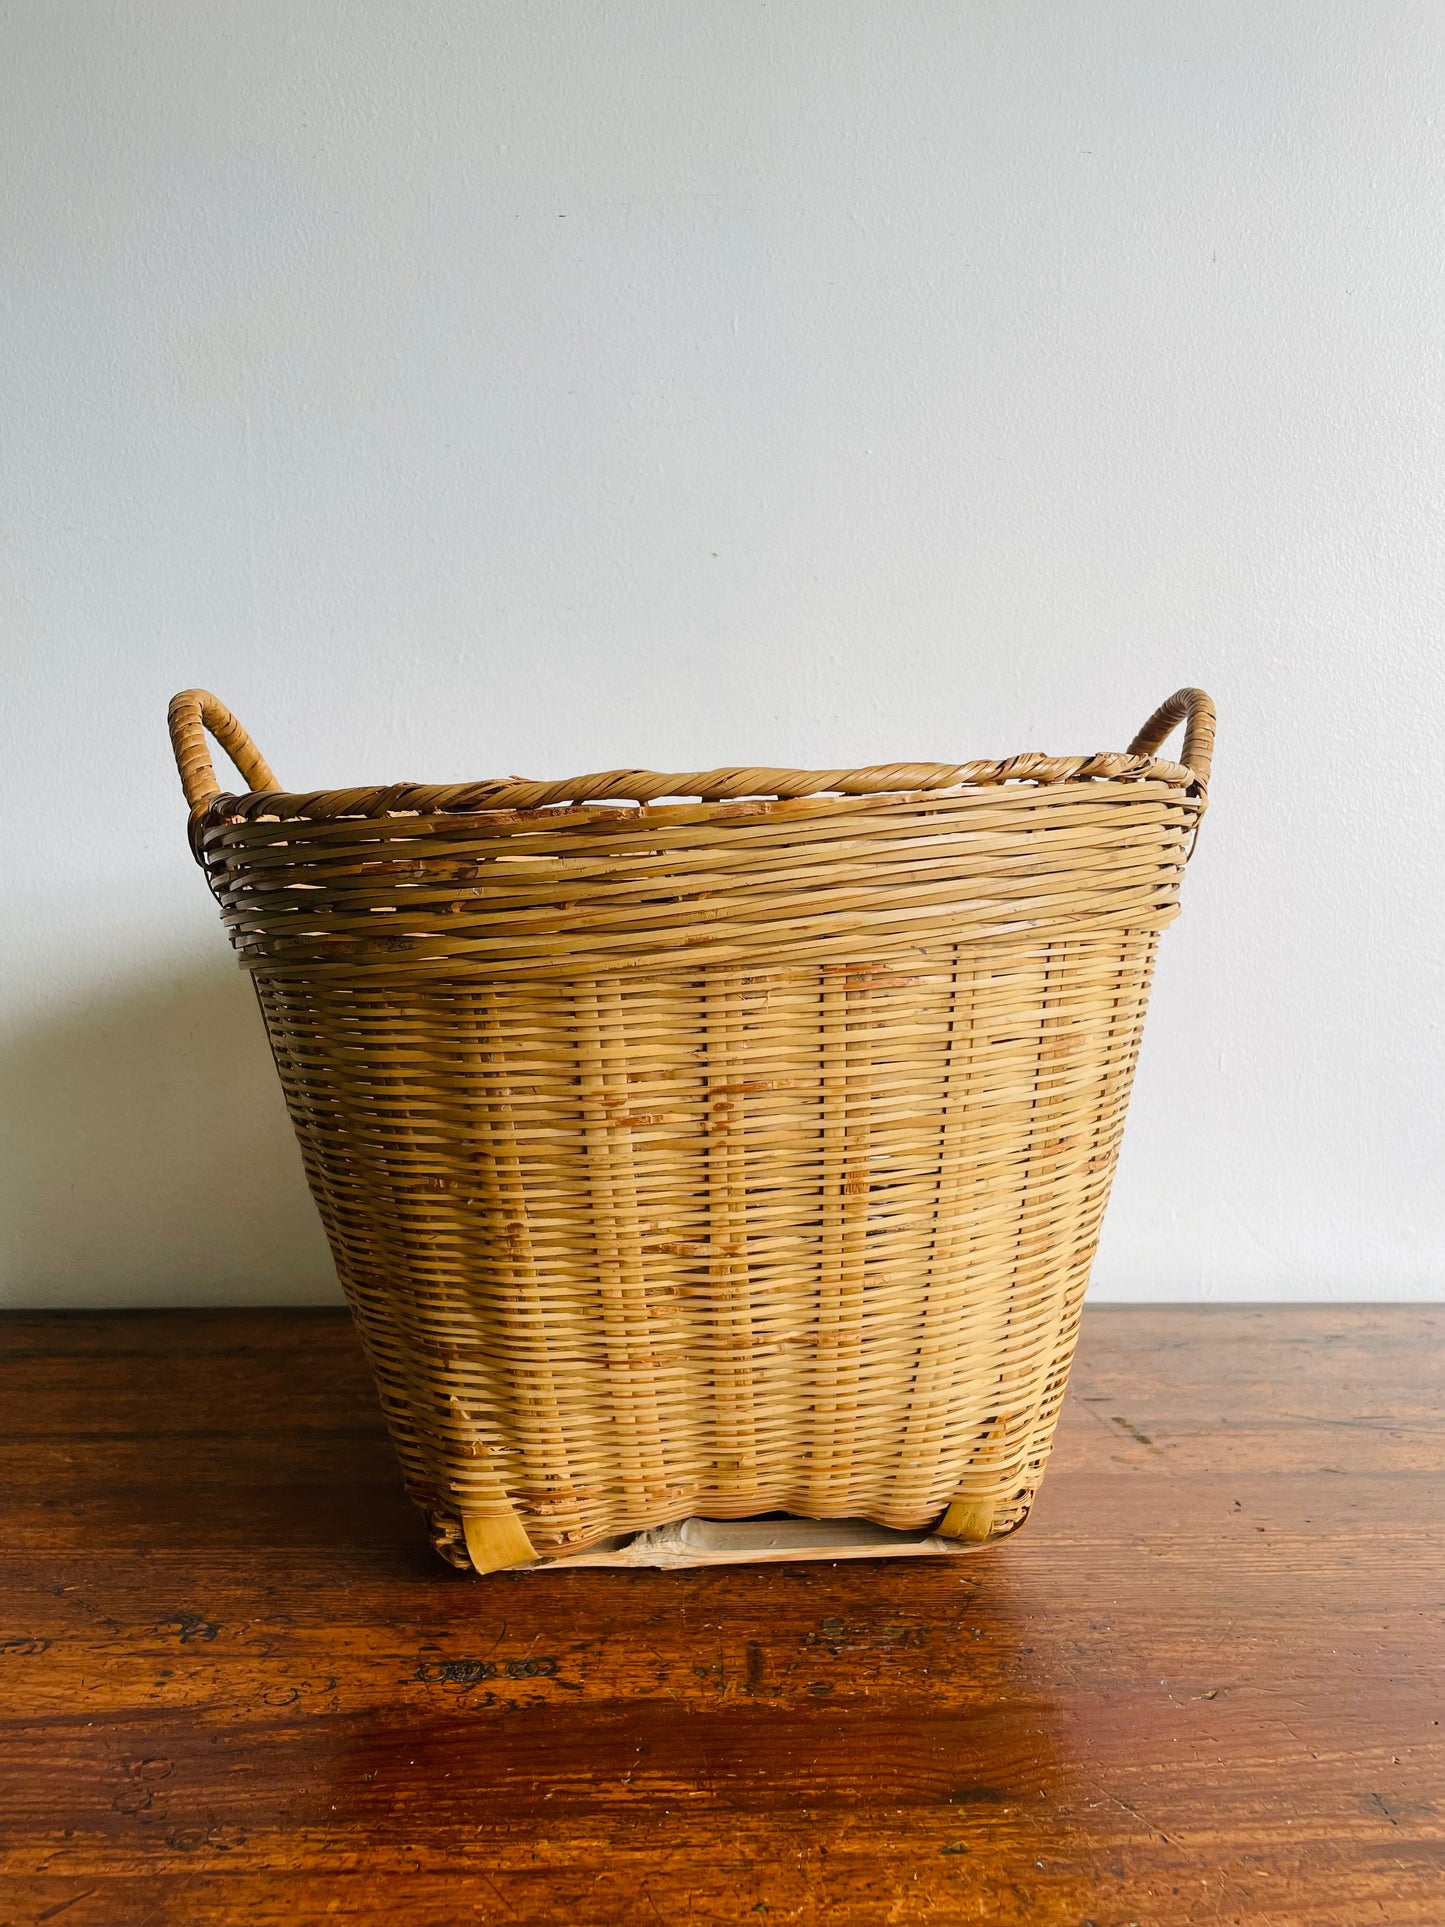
(810, 1241)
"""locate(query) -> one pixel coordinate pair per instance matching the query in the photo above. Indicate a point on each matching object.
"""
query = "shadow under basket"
(713, 1162)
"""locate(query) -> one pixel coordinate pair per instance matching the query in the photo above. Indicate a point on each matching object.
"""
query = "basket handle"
(1192, 708)
(190, 715)
(194, 711)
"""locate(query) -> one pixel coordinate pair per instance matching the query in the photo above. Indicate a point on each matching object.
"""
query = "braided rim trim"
(642, 786)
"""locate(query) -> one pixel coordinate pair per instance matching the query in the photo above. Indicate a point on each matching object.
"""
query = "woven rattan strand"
(717, 1143)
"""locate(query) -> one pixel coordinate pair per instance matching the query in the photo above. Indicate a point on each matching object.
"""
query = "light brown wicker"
(713, 1144)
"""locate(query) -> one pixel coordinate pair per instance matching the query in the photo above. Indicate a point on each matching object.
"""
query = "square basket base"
(768, 1540)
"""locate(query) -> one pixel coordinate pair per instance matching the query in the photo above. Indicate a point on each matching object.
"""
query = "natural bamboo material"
(716, 1144)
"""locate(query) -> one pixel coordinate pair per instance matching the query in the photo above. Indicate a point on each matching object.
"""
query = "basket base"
(736, 1542)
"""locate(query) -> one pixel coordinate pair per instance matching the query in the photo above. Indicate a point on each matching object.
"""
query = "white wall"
(474, 388)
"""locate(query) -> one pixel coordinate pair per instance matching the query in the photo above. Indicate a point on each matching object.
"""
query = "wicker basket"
(710, 1146)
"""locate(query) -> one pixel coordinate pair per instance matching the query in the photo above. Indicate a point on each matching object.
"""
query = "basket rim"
(655, 793)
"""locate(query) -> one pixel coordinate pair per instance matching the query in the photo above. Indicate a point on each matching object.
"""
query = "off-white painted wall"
(483, 387)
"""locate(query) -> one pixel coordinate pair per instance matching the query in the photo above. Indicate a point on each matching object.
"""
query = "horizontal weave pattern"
(572, 893)
(714, 1158)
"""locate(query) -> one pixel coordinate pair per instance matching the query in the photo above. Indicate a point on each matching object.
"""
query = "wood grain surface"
(1202, 1685)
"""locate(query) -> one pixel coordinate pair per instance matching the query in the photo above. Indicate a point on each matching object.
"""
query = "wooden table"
(1202, 1685)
